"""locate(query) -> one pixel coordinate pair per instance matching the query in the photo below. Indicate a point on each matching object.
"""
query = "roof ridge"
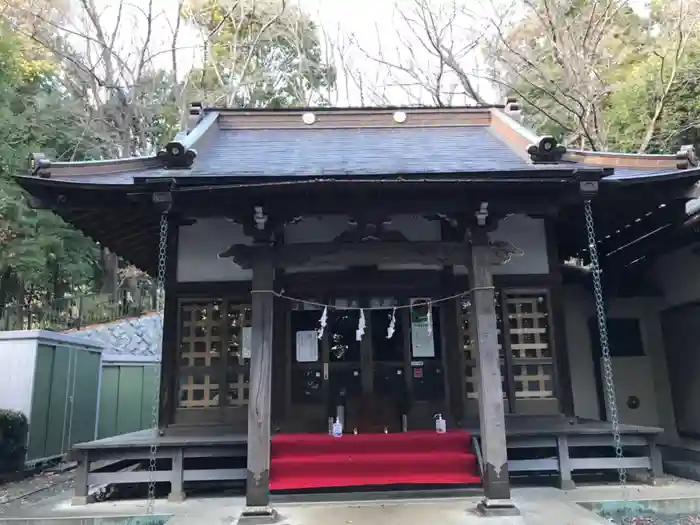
(363, 109)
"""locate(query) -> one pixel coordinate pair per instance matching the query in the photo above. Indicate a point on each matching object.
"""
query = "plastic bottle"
(337, 430)
(440, 424)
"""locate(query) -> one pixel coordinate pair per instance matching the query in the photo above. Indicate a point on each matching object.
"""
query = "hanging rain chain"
(605, 346)
(160, 308)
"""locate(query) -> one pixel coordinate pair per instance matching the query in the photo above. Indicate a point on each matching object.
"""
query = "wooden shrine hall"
(381, 268)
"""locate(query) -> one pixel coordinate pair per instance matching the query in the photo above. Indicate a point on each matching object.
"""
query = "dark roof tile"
(361, 151)
(139, 336)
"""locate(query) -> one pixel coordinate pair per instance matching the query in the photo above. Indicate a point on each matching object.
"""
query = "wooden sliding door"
(213, 368)
(525, 349)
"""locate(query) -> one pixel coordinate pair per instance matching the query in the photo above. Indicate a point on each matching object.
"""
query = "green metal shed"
(54, 379)
(129, 384)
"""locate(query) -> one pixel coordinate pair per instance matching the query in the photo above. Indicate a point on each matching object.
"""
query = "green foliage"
(260, 56)
(74, 105)
(598, 75)
(39, 253)
(631, 106)
(13, 440)
(160, 119)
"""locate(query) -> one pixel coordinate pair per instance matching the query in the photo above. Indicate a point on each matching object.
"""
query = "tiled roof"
(139, 336)
(352, 142)
(361, 151)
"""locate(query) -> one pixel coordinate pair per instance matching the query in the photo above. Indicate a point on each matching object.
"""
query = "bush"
(14, 430)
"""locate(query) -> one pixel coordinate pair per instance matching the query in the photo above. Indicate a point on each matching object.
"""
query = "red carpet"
(312, 461)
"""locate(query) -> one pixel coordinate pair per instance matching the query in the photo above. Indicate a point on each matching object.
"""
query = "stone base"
(259, 516)
(497, 507)
(649, 478)
(176, 497)
(79, 501)
(662, 481)
(567, 484)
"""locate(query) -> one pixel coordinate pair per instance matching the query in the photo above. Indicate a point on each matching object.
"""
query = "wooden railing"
(75, 313)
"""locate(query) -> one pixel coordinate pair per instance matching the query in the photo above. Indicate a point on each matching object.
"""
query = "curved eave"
(107, 213)
(123, 218)
(54, 186)
(182, 179)
(653, 177)
(637, 218)
(534, 175)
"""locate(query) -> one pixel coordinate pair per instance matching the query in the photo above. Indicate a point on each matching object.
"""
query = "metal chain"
(160, 308)
(605, 343)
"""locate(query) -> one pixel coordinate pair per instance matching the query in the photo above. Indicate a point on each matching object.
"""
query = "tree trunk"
(110, 281)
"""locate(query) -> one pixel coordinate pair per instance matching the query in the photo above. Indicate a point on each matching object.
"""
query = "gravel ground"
(16, 495)
(658, 519)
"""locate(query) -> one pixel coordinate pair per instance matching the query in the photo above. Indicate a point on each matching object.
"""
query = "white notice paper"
(422, 343)
(247, 342)
(307, 346)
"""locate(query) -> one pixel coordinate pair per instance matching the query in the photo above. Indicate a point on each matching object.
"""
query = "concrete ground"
(537, 505)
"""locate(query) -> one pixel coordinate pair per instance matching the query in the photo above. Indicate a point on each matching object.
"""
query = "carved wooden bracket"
(366, 229)
(503, 252)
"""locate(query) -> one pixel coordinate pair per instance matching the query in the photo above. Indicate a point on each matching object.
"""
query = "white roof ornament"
(308, 118)
(400, 117)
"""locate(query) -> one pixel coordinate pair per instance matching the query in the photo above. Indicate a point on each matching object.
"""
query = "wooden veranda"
(548, 445)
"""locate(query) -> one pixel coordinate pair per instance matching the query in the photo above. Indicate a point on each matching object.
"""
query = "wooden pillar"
(562, 383)
(491, 410)
(450, 322)
(169, 343)
(259, 405)
(279, 362)
(82, 475)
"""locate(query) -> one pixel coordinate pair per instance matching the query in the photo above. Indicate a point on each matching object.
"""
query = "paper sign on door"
(422, 344)
(246, 341)
(307, 346)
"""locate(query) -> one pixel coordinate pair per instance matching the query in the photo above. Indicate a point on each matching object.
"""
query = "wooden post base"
(176, 497)
(497, 507)
(566, 484)
(259, 516)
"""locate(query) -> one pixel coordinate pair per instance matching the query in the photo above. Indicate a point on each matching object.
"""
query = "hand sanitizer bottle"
(337, 428)
(440, 424)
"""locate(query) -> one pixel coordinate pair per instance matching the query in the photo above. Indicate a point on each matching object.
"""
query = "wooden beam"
(259, 407)
(418, 282)
(491, 410)
(361, 253)
(283, 208)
